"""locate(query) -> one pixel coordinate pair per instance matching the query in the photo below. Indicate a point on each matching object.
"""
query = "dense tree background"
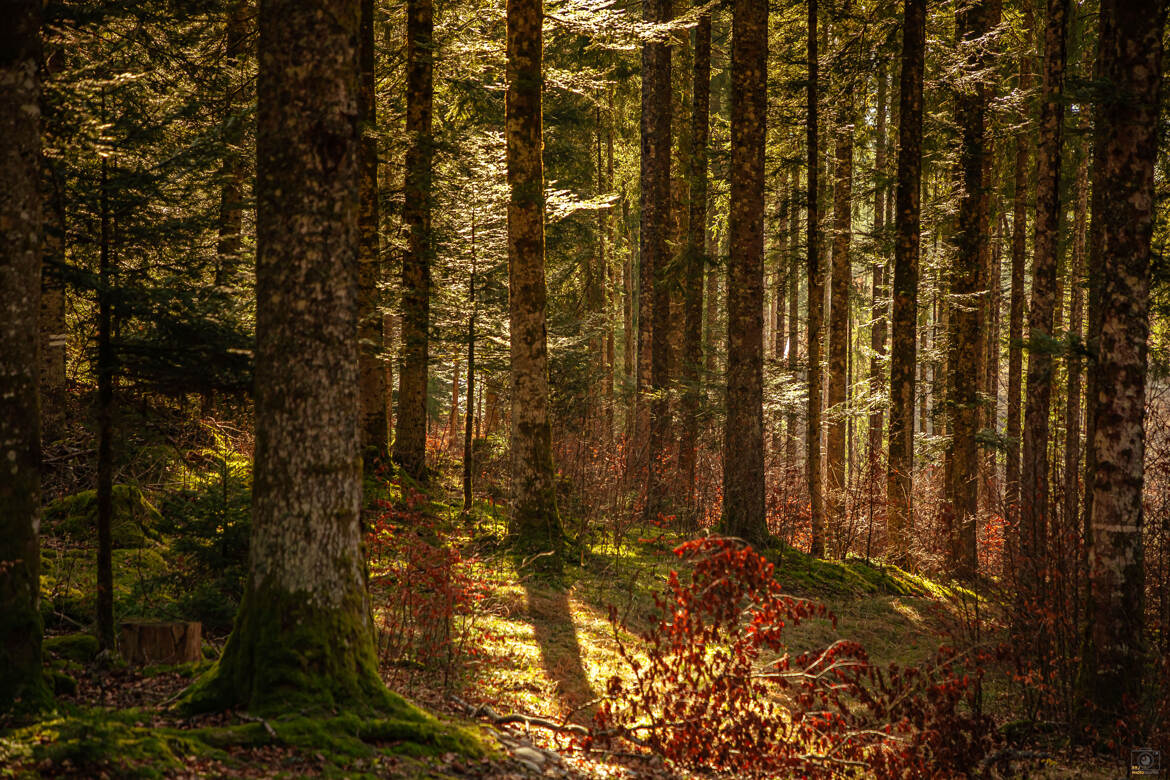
(852, 280)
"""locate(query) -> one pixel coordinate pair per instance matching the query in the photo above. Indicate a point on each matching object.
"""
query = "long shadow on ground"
(560, 651)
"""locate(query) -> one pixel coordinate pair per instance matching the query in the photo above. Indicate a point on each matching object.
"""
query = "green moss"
(92, 743)
(81, 648)
(851, 577)
(61, 683)
(134, 522)
(285, 654)
(190, 669)
(140, 589)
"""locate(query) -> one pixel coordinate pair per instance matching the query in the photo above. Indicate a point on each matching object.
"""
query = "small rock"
(531, 767)
(529, 755)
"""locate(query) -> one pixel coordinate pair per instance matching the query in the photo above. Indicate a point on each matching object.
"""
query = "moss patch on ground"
(136, 744)
(134, 522)
(81, 648)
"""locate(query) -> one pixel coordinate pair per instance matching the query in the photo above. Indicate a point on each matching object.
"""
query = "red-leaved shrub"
(719, 690)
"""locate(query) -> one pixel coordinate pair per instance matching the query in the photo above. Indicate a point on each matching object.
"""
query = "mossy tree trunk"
(535, 525)
(303, 638)
(904, 291)
(371, 372)
(1126, 145)
(743, 434)
(410, 435)
(22, 686)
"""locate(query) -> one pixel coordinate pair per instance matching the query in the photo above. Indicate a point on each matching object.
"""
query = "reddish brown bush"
(718, 689)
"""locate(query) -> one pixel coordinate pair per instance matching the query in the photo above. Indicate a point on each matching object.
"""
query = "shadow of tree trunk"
(560, 652)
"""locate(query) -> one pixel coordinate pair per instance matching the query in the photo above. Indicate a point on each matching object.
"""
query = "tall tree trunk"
(469, 416)
(816, 302)
(793, 261)
(595, 278)
(1126, 147)
(611, 288)
(655, 213)
(878, 295)
(780, 276)
(991, 359)
(371, 373)
(232, 170)
(304, 634)
(743, 441)
(968, 291)
(1016, 302)
(535, 524)
(1033, 530)
(841, 281)
(1072, 412)
(52, 307)
(22, 684)
(629, 378)
(410, 435)
(696, 258)
(904, 318)
(105, 404)
(453, 419)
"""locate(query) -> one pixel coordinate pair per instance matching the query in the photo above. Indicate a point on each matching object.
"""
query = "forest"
(584, 389)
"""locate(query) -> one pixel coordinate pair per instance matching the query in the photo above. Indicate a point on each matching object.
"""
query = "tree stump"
(162, 643)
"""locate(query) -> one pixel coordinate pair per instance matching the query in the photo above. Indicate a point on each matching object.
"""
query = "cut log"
(161, 643)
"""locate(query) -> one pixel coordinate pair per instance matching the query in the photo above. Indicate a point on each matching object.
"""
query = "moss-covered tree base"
(285, 654)
(291, 660)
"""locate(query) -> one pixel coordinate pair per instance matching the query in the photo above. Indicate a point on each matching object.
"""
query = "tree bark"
(878, 295)
(469, 416)
(968, 292)
(743, 441)
(1126, 146)
(653, 292)
(1072, 412)
(841, 281)
(535, 525)
(1016, 304)
(1033, 528)
(22, 685)
(696, 259)
(904, 324)
(104, 414)
(232, 171)
(816, 302)
(371, 372)
(303, 638)
(410, 436)
(53, 339)
(793, 260)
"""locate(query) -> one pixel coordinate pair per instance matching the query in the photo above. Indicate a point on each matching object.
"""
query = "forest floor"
(466, 632)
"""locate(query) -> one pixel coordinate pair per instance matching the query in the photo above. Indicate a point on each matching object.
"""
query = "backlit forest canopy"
(584, 388)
